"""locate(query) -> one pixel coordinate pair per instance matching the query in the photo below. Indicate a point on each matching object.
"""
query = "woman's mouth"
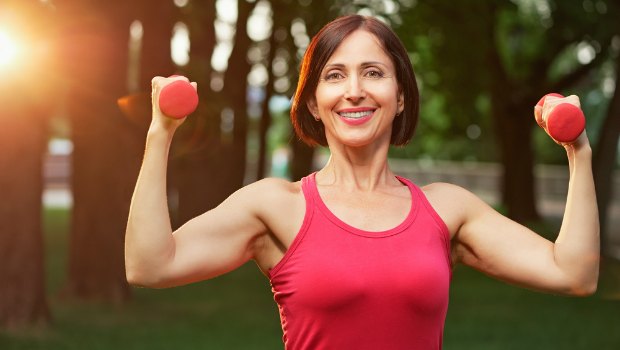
(357, 117)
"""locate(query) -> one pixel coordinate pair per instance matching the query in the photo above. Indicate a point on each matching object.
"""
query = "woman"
(358, 258)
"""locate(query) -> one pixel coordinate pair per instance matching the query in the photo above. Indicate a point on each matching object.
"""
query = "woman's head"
(322, 47)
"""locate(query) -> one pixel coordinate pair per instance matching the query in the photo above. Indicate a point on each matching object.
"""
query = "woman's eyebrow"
(334, 65)
(363, 64)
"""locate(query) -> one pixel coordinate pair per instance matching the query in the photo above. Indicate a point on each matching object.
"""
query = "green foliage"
(537, 43)
(520, 38)
(447, 66)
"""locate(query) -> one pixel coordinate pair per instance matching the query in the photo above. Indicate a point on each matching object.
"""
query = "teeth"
(355, 115)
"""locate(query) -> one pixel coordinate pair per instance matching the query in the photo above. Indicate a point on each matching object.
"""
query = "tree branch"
(571, 78)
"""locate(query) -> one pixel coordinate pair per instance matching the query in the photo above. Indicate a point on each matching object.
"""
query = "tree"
(23, 139)
(195, 148)
(235, 95)
(107, 146)
(515, 53)
(605, 156)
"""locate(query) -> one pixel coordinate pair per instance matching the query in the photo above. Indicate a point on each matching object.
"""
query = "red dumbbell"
(178, 99)
(565, 122)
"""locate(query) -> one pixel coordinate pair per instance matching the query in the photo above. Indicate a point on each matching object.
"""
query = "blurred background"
(75, 106)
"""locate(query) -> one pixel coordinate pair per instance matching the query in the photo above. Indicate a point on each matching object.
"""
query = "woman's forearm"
(149, 243)
(577, 248)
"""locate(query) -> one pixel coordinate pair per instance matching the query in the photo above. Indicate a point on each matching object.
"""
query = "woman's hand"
(159, 120)
(542, 113)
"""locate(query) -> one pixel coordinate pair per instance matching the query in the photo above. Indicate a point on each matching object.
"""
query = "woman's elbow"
(584, 289)
(137, 278)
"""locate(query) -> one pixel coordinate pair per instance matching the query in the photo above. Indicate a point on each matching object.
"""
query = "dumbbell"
(565, 122)
(178, 99)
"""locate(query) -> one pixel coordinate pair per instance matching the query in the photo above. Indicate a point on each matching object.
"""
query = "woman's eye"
(374, 74)
(333, 76)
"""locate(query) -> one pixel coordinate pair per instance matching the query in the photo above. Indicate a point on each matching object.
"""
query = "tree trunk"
(265, 120)
(22, 140)
(513, 127)
(196, 147)
(158, 19)
(107, 150)
(24, 114)
(605, 158)
(235, 94)
(512, 122)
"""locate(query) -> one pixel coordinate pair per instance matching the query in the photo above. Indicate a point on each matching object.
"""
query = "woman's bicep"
(215, 242)
(507, 250)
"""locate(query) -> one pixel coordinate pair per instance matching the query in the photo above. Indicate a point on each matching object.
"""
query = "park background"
(75, 94)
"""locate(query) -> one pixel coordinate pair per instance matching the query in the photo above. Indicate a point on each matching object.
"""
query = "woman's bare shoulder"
(271, 192)
(275, 186)
(442, 191)
(451, 202)
(450, 195)
(280, 205)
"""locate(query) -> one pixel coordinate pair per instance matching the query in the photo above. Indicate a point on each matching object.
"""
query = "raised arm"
(577, 247)
(211, 244)
(502, 248)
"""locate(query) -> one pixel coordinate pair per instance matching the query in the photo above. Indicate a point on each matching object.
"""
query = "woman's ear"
(311, 104)
(400, 102)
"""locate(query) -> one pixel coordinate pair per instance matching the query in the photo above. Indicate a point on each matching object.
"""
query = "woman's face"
(357, 96)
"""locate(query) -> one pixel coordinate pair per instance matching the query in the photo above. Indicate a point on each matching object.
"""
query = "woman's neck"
(357, 168)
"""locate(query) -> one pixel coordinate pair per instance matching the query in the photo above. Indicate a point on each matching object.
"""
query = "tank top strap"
(423, 202)
(308, 186)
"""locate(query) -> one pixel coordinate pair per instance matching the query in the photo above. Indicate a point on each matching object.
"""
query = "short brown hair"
(322, 46)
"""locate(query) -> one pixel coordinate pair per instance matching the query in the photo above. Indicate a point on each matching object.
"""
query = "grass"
(236, 311)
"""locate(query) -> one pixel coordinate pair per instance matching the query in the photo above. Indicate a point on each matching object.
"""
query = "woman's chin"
(356, 141)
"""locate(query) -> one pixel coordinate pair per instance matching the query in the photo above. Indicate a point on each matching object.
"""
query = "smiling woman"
(357, 257)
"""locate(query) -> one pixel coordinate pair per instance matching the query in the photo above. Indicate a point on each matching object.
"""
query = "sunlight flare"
(8, 49)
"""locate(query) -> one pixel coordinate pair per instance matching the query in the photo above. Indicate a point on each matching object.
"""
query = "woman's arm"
(500, 247)
(577, 247)
(211, 244)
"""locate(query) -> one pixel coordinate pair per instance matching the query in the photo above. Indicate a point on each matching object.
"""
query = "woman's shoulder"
(281, 205)
(276, 186)
(451, 195)
(269, 200)
(452, 202)
(271, 191)
(443, 189)
(441, 194)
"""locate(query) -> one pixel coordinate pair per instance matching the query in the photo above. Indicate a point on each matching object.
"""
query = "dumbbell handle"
(565, 122)
(178, 99)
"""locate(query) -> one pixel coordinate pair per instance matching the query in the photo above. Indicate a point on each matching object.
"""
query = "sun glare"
(8, 49)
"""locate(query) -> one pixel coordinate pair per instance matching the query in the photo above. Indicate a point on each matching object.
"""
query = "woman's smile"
(356, 116)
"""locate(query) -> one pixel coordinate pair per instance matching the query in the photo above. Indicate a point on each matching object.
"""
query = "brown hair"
(322, 46)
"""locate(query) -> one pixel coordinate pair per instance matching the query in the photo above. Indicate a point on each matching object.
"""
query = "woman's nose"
(355, 90)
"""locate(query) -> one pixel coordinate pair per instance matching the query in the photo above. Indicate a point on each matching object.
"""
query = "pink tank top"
(339, 287)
